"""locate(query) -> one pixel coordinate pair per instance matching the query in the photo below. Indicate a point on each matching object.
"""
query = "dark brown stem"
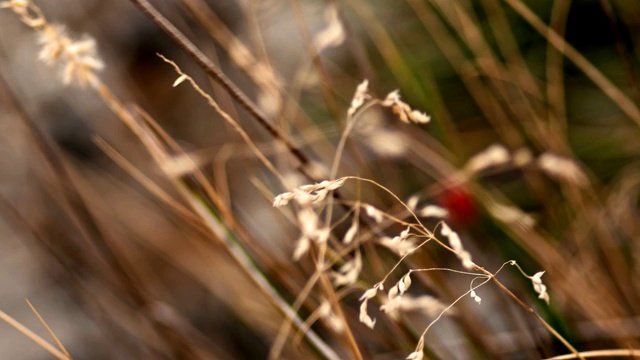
(218, 76)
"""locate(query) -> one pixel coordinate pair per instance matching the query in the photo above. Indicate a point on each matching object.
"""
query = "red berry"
(460, 204)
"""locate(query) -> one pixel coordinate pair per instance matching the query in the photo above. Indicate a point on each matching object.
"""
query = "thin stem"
(325, 84)
(247, 139)
(613, 92)
(544, 323)
(214, 72)
(33, 336)
(599, 353)
(46, 326)
(215, 225)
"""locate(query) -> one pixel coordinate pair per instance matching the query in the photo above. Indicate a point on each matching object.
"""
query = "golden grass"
(371, 273)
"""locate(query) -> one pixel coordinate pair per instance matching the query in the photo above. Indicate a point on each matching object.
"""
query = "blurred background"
(119, 272)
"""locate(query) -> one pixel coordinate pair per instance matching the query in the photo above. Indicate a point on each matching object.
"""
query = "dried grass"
(318, 245)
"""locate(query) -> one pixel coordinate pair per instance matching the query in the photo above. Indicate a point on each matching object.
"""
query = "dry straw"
(370, 242)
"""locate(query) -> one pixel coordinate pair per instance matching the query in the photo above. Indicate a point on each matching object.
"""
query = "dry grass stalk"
(340, 232)
(34, 337)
